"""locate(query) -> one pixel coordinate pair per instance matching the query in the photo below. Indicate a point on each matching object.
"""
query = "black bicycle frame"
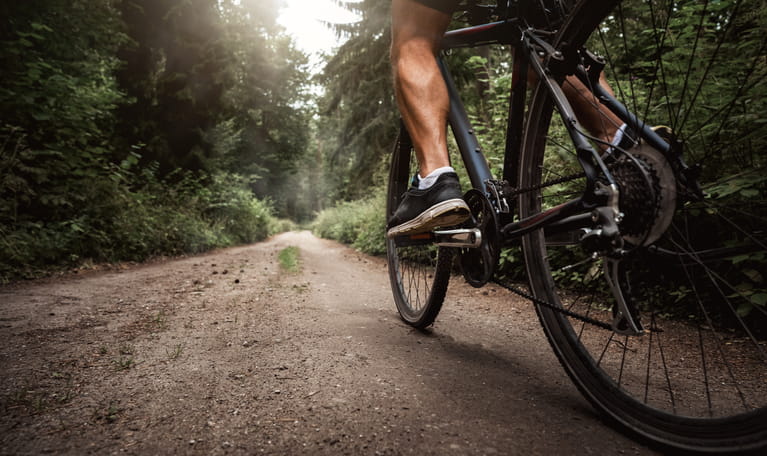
(468, 144)
(526, 53)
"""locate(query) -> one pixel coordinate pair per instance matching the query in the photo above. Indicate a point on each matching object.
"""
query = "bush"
(237, 214)
(282, 225)
(128, 216)
(359, 223)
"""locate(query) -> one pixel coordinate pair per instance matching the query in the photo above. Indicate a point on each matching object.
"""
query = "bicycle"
(646, 263)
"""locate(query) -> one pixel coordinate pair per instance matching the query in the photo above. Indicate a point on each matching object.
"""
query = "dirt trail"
(225, 353)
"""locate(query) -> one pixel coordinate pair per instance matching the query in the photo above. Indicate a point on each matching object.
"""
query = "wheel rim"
(418, 273)
(700, 373)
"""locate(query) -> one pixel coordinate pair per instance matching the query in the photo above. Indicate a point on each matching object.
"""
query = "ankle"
(618, 136)
(431, 178)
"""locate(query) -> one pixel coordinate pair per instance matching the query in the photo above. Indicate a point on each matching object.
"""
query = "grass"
(160, 320)
(108, 413)
(176, 352)
(124, 363)
(289, 260)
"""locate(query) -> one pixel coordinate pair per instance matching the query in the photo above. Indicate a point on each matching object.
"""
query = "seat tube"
(516, 116)
(471, 152)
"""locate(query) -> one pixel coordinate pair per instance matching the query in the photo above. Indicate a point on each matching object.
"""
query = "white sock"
(618, 135)
(428, 181)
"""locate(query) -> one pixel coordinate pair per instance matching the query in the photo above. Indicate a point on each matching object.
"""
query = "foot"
(440, 205)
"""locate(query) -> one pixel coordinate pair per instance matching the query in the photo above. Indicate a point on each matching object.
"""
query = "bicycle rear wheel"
(419, 272)
(697, 378)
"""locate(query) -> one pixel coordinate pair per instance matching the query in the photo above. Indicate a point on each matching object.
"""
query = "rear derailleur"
(603, 239)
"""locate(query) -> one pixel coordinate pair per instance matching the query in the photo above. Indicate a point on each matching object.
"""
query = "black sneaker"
(420, 211)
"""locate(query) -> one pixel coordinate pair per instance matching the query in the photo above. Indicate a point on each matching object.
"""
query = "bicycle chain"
(586, 319)
(562, 310)
(559, 180)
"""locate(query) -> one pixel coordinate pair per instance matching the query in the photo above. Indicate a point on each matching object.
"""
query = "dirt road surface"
(226, 353)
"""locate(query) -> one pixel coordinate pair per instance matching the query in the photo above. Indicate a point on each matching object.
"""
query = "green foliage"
(360, 223)
(216, 86)
(155, 218)
(511, 265)
(230, 205)
(56, 102)
(288, 258)
(359, 114)
(746, 190)
(188, 217)
(267, 107)
(281, 225)
(716, 109)
(174, 73)
(139, 128)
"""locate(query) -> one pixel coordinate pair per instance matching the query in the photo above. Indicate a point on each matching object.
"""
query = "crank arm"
(625, 321)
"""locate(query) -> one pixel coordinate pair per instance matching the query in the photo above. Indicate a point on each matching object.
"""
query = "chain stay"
(518, 191)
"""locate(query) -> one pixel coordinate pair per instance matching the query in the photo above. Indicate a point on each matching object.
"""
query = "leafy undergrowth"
(136, 218)
(360, 224)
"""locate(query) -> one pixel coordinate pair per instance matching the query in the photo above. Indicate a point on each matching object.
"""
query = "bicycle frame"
(591, 219)
(526, 56)
(580, 212)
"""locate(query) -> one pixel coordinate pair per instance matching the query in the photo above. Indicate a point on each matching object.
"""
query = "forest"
(131, 129)
(139, 128)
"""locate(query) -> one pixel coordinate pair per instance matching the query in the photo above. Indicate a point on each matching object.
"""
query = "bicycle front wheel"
(695, 268)
(418, 271)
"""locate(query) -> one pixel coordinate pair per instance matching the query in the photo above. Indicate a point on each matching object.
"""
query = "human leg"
(422, 98)
(597, 120)
(421, 93)
(423, 101)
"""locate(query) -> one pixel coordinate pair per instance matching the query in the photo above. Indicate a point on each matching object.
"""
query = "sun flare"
(307, 21)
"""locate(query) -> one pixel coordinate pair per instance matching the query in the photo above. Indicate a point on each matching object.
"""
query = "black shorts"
(446, 6)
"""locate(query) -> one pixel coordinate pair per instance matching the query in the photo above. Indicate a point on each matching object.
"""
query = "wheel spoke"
(698, 285)
(418, 274)
(718, 340)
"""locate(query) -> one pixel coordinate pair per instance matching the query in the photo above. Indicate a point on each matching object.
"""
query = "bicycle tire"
(695, 381)
(418, 274)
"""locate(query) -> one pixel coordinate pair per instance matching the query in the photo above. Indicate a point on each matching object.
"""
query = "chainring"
(479, 264)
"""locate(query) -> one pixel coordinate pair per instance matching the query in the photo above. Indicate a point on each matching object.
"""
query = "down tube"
(475, 162)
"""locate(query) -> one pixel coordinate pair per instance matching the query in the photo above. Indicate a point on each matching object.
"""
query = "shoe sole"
(446, 213)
